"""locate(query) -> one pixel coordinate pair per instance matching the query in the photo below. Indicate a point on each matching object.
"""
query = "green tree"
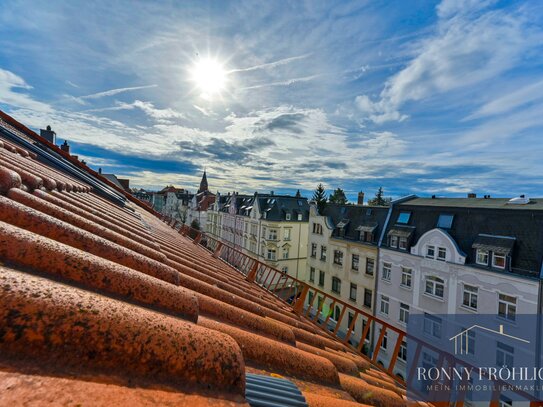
(338, 197)
(319, 196)
(379, 199)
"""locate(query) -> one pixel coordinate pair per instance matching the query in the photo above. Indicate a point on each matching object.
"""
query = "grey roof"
(278, 206)
(113, 178)
(493, 203)
(499, 244)
(475, 217)
(360, 218)
(401, 231)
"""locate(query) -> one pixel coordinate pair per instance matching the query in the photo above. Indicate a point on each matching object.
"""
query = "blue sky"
(417, 96)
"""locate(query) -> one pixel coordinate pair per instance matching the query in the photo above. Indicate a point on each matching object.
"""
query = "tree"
(319, 196)
(195, 224)
(338, 197)
(379, 199)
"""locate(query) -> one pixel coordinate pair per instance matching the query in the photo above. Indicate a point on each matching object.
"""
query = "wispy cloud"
(9, 83)
(269, 65)
(111, 92)
(287, 82)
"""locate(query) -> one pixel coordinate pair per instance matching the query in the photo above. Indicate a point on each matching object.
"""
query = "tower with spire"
(203, 183)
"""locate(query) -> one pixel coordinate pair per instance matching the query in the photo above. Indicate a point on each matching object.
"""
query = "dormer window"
(367, 231)
(441, 253)
(394, 241)
(402, 243)
(482, 257)
(399, 237)
(498, 260)
(300, 216)
(287, 216)
(430, 252)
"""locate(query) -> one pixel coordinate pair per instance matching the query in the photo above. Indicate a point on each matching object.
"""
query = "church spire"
(203, 183)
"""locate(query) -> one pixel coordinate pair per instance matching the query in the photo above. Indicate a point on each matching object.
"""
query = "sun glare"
(209, 76)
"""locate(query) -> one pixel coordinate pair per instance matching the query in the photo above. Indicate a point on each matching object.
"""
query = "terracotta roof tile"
(99, 298)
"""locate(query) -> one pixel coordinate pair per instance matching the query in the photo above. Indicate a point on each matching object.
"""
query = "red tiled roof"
(111, 305)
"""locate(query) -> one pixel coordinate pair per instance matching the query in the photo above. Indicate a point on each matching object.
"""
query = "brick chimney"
(125, 183)
(65, 147)
(361, 198)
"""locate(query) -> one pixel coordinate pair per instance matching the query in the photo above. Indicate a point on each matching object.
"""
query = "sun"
(209, 76)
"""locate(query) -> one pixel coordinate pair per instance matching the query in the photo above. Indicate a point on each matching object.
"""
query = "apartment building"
(343, 256)
(272, 228)
(445, 256)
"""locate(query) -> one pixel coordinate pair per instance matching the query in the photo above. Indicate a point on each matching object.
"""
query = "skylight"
(445, 221)
(403, 217)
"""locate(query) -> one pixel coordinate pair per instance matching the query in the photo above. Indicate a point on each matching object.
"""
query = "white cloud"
(110, 92)
(468, 48)
(9, 82)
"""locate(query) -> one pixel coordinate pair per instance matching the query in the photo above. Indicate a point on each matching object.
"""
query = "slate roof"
(278, 206)
(106, 304)
(475, 217)
(367, 218)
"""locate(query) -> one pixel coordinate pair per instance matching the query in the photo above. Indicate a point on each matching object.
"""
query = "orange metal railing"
(301, 296)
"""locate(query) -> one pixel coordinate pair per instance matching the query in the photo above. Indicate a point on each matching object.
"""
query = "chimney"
(100, 170)
(472, 195)
(125, 183)
(361, 198)
(49, 135)
(65, 147)
(271, 193)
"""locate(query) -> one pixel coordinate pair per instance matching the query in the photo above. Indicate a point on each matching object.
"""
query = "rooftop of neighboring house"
(356, 222)
(512, 227)
(283, 208)
(102, 302)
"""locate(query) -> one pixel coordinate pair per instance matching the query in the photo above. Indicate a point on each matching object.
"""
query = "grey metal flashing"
(52, 158)
(267, 391)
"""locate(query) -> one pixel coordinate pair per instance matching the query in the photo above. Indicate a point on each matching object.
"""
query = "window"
(355, 261)
(320, 300)
(317, 228)
(406, 277)
(287, 216)
(338, 257)
(505, 402)
(271, 254)
(286, 235)
(337, 313)
(469, 296)
(402, 243)
(350, 317)
(285, 269)
(402, 354)
(468, 347)
(352, 293)
(310, 296)
(299, 216)
(504, 355)
(441, 253)
(445, 221)
(404, 313)
(264, 215)
(507, 307)
(430, 252)
(272, 235)
(323, 253)
(385, 274)
(394, 241)
(313, 249)
(312, 274)
(432, 326)
(367, 297)
(384, 344)
(482, 257)
(435, 286)
(366, 237)
(285, 252)
(370, 266)
(336, 285)
(498, 260)
(403, 217)
(264, 231)
(384, 305)
(321, 278)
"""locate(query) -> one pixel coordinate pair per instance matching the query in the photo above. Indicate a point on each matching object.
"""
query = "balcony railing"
(302, 297)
